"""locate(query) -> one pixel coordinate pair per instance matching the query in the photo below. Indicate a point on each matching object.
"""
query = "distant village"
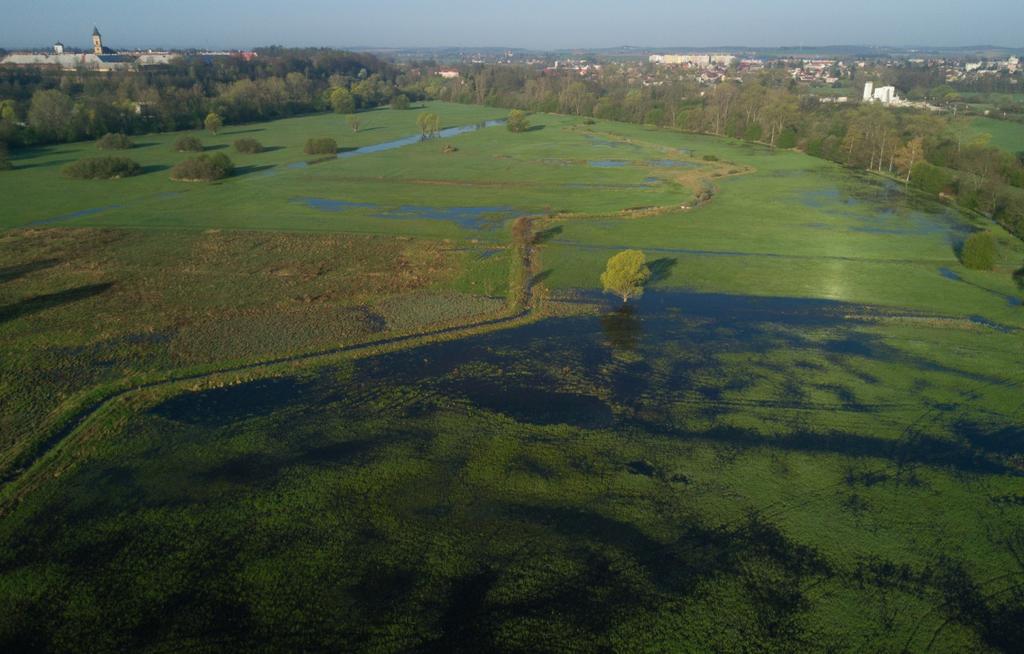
(101, 58)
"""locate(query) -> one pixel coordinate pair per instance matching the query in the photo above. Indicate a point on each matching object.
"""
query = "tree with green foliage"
(50, 114)
(5, 160)
(188, 144)
(213, 122)
(321, 146)
(626, 274)
(204, 168)
(979, 251)
(8, 111)
(517, 122)
(429, 124)
(354, 122)
(248, 146)
(113, 142)
(400, 102)
(342, 101)
(103, 168)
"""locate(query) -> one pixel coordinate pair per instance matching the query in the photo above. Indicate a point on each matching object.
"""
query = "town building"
(101, 59)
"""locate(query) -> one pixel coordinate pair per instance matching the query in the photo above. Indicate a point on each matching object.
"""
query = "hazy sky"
(512, 23)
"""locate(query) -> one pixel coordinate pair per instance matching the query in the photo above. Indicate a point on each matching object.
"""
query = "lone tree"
(517, 122)
(979, 251)
(429, 124)
(213, 122)
(353, 122)
(626, 274)
(400, 102)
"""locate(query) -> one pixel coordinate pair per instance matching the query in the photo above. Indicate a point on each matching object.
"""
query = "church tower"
(97, 42)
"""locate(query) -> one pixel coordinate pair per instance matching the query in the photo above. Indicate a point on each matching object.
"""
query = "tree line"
(41, 106)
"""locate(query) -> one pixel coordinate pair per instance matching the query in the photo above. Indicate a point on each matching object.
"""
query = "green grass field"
(1005, 134)
(805, 437)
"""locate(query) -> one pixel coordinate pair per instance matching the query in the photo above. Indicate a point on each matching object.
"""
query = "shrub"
(979, 251)
(113, 142)
(400, 101)
(5, 161)
(787, 139)
(248, 146)
(517, 122)
(204, 168)
(589, 121)
(710, 157)
(931, 179)
(321, 146)
(103, 168)
(188, 144)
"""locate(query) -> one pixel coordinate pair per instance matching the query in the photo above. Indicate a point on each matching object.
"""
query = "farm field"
(806, 436)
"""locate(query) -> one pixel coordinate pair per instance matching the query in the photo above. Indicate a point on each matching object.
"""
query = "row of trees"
(48, 106)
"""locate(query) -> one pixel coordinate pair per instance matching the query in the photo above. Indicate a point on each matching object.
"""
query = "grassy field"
(805, 437)
(1005, 134)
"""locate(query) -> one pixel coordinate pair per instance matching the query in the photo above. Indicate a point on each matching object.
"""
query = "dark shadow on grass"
(369, 129)
(540, 277)
(1018, 277)
(44, 164)
(154, 168)
(244, 131)
(221, 146)
(272, 148)
(546, 235)
(661, 269)
(51, 301)
(10, 273)
(535, 128)
(136, 146)
(248, 170)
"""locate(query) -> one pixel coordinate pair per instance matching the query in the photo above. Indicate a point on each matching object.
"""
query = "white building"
(694, 60)
(884, 94)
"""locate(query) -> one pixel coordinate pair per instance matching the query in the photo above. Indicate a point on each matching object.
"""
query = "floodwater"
(74, 214)
(650, 355)
(475, 218)
(608, 163)
(418, 138)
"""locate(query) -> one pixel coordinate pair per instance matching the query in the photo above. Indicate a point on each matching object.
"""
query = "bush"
(248, 146)
(932, 179)
(517, 122)
(103, 168)
(5, 161)
(979, 251)
(589, 121)
(204, 168)
(321, 146)
(188, 144)
(113, 142)
(787, 139)
(710, 157)
(400, 102)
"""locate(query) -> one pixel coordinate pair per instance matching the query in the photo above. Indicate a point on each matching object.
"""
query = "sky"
(534, 24)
